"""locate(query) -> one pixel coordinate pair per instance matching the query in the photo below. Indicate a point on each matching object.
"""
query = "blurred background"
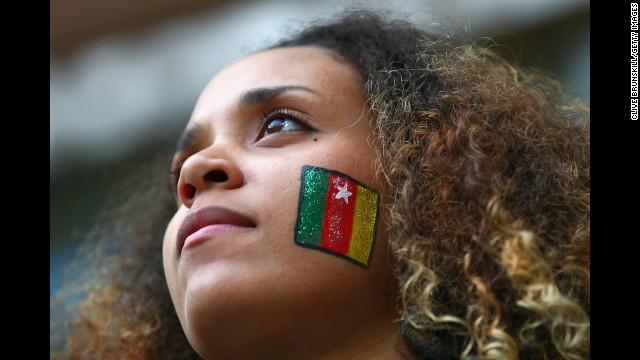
(125, 75)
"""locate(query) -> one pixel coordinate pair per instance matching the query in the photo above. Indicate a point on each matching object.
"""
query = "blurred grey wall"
(124, 75)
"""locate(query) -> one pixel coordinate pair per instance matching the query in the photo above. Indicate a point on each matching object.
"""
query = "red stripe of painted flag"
(338, 219)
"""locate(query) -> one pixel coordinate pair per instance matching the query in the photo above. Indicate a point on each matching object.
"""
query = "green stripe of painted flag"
(312, 207)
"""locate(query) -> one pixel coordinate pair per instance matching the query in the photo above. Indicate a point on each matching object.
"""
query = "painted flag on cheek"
(336, 214)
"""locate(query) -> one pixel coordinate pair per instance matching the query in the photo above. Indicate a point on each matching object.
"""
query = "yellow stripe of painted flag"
(364, 225)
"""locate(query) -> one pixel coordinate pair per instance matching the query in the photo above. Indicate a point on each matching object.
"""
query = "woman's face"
(240, 278)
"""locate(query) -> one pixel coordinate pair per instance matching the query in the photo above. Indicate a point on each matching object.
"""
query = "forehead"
(312, 67)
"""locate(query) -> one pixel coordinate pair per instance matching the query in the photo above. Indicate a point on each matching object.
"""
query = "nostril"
(189, 191)
(216, 176)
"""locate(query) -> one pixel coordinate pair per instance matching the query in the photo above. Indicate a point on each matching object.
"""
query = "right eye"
(281, 120)
(282, 124)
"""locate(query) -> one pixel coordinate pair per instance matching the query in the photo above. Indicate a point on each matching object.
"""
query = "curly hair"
(116, 302)
(487, 166)
(488, 171)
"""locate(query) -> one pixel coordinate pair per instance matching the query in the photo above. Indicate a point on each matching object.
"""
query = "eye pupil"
(274, 126)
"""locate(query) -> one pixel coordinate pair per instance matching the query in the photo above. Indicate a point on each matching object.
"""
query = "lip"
(207, 222)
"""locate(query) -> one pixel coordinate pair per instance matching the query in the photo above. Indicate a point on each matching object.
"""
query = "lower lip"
(207, 233)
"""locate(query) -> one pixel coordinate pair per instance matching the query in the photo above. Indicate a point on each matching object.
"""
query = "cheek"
(352, 155)
(272, 189)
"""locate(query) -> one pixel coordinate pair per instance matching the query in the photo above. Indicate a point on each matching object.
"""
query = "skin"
(250, 292)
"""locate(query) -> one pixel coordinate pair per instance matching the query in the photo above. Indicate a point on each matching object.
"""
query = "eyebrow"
(250, 97)
(266, 94)
(187, 137)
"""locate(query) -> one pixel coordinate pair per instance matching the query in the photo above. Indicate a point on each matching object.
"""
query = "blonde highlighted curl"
(490, 207)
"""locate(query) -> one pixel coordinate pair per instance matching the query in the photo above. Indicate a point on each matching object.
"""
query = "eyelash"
(271, 114)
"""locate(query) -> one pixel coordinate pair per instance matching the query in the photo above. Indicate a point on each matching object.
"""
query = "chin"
(219, 312)
(229, 330)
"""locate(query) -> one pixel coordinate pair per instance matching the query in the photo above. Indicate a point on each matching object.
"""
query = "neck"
(382, 342)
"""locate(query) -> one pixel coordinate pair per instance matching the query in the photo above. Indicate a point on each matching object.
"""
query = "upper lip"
(209, 215)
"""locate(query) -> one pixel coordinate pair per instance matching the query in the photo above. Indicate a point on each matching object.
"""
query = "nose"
(202, 172)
